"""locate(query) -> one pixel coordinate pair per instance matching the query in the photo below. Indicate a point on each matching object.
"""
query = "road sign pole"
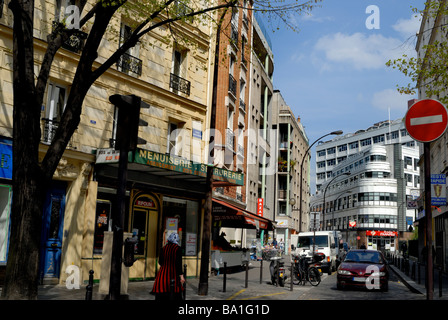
(428, 216)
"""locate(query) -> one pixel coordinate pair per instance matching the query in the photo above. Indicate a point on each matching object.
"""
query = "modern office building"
(364, 181)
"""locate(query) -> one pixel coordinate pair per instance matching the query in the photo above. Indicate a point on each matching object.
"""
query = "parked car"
(363, 268)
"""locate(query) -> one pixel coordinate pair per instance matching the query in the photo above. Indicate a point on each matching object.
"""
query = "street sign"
(438, 190)
(426, 120)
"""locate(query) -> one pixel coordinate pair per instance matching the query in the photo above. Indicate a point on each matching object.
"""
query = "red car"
(363, 268)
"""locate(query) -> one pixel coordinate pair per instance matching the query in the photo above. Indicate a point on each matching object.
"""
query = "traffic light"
(128, 120)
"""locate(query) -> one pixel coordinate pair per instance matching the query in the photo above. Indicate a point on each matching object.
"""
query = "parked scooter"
(277, 269)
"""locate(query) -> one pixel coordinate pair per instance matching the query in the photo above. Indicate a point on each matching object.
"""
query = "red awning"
(233, 217)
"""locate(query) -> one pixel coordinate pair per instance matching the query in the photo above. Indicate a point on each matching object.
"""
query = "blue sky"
(333, 74)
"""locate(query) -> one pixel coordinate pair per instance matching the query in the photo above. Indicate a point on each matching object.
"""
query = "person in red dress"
(170, 262)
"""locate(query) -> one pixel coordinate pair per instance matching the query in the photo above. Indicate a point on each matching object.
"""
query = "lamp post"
(338, 132)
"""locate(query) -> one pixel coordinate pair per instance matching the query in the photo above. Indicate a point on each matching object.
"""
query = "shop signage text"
(381, 233)
(177, 164)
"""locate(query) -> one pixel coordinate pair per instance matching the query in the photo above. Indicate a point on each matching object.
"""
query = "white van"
(325, 242)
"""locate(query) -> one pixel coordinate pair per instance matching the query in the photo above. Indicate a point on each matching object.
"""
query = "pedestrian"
(170, 262)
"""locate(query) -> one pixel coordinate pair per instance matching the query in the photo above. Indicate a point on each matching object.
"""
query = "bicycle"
(305, 271)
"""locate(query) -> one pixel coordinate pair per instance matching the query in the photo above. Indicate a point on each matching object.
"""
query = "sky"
(332, 72)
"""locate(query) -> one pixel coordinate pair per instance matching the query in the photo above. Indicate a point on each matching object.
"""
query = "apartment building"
(166, 176)
(365, 180)
(432, 30)
(238, 105)
(292, 146)
(261, 136)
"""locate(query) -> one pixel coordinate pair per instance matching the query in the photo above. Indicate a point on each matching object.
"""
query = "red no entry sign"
(426, 120)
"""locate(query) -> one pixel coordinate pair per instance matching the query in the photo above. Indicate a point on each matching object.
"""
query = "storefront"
(381, 240)
(164, 195)
(5, 201)
(225, 216)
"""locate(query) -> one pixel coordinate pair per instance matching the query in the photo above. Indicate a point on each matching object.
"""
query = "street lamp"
(337, 132)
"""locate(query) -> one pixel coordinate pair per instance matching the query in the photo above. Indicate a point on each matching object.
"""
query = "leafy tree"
(428, 71)
(32, 177)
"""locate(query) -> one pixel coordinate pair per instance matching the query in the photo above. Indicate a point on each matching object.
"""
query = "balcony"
(242, 105)
(230, 141)
(179, 84)
(234, 36)
(75, 42)
(232, 85)
(128, 63)
(49, 130)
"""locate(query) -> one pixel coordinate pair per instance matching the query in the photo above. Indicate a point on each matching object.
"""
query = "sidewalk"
(414, 277)
(235, 288)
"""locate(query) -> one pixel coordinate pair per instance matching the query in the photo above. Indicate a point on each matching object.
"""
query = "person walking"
(170, 262)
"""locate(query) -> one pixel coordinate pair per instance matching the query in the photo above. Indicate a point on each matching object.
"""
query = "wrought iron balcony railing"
(128, 63)
(232, 85)
(179, 84)
(49, 130)
(230, 141)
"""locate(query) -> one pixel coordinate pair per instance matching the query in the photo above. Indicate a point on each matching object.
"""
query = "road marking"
(236, 294)
(265, 295)
(426, 120)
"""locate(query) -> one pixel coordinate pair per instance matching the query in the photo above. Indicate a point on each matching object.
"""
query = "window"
(178, 82)
(61, 9)
(56, 100)
(366, 142)
(174, 139)
(102, 218)
(129, 62)
(342, 148)
(378, 139)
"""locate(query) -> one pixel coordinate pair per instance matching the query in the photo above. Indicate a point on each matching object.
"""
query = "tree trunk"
(28, 186)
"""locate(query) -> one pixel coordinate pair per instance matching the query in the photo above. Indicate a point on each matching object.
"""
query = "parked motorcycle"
(277, 269)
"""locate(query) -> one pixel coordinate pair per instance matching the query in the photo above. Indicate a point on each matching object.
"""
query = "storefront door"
(143, 226)
(51, 239)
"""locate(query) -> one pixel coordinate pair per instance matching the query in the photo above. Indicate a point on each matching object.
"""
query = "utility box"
(106, 262)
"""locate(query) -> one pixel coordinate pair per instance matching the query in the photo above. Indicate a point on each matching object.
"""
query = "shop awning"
(227, 215)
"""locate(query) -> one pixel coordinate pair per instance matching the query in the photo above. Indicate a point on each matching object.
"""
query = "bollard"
(224, 278)
(413, 271)
(89, 288)
(290, 288)
(277, 263)
(247, 274)
(184, 292)
(261, 271)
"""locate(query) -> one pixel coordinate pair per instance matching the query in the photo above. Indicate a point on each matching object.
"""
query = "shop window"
(181, 216)
(102, 218)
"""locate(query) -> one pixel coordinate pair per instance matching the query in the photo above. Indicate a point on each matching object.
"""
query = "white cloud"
(358, 50)
(391, 98)
(408, 27)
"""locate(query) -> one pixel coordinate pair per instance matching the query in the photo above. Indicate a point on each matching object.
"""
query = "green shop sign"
(164, 161)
